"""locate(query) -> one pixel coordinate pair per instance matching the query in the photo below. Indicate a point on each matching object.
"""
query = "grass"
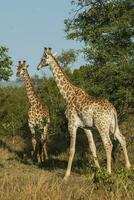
(19, 181)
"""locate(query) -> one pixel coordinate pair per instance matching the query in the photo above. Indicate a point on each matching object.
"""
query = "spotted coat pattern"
(38, 117)
(85, 111)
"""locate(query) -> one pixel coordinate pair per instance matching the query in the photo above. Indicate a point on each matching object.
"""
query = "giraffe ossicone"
(85, 111)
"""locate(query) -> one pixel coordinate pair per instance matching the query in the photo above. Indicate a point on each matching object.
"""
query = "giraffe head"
(21, 69)
(45, 59)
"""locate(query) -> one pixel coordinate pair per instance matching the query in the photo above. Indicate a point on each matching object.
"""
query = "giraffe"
(85, 111)
(38, 117)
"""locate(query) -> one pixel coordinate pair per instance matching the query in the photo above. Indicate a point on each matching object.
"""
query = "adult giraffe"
(85, 111)
(38, 116)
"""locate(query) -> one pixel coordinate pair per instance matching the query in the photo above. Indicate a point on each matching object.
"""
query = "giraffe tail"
(116, 125)
(115, 141)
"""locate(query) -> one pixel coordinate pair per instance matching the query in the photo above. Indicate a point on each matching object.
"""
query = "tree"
(106, 28)
(67, 57)
(13, 110)
(5, 64)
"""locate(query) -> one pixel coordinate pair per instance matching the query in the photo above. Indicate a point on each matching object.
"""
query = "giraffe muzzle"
(39, 66)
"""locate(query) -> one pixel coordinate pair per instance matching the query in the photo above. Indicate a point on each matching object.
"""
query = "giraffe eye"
(23, 70)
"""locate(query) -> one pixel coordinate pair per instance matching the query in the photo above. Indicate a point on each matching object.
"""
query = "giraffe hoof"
(109, 171)
(65, 178)
(128, 166)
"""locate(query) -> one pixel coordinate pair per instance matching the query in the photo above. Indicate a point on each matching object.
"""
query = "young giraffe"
(85, 111)
(38, 117)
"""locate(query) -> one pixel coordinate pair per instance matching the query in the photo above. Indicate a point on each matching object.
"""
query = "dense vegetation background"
(106, 30)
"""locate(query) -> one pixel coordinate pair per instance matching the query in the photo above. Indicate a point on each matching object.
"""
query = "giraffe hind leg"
(104, 133)
(122, 141)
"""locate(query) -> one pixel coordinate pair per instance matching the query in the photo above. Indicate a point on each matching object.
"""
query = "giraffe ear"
(27, 66)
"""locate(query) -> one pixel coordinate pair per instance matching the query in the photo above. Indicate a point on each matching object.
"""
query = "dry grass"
(20, 181)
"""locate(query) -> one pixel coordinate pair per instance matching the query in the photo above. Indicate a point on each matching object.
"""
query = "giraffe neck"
(66, 88)
(29, 89)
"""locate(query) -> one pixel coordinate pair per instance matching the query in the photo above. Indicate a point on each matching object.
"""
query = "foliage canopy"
(106, 28)
(5, 64)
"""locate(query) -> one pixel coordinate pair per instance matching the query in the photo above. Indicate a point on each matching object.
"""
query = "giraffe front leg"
(41, 153)
(34, 152)
(92, 146)
(37, 154)
(33, 141)
(45, 151)
(44, 145)
(33, 144)
(72, 131)
(45, 133)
